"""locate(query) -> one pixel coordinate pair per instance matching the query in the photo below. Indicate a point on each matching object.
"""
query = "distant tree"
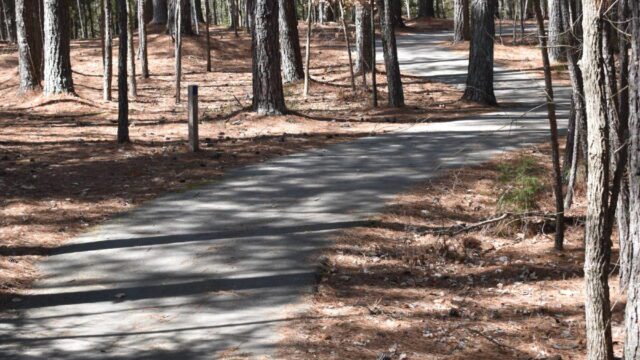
(390, 52)
(123, 94)
(363, 37)
(185, 10)
(292, 69)
(268, 94)
(29, 36)
(57, 37)
(8, 9)
(480, 74)
(426, 8)
(160, 11)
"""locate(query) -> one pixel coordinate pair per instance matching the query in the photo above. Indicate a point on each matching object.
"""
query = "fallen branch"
(463, 228)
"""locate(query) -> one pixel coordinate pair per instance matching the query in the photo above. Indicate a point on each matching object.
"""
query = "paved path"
(193, 274)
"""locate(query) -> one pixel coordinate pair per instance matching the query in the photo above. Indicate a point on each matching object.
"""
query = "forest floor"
(500, 291)
(62, 173)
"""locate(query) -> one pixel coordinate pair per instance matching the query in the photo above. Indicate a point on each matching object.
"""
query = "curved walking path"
(194, 274)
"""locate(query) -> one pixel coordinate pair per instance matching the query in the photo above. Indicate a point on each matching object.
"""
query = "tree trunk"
(177, 14)
(307, 76)
(460, 20)
(390, 52)
(396, 13)
(555, 148)
(185, 21)
(480, 75)
(426, 8)
(133, 87)
(363, 38)
(57, 62)
(29, 39)
(597, 244)
(374, 86)
(123, 96)
(556, 37)
(8, 8)
(142, 39)
(632, 312)
(268, 95)
(207, 24)
(348, 45)
(292, 69)
(160, 12)
(107, 50)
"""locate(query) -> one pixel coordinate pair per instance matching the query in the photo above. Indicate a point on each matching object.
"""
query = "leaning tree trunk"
(123, 96)
(107, 50)
(460, 20)
(632, 312)
(390, 51)
(185, 23)
(160, 11)
(292, 69)
(57, 36)
(480, 74)
(597, 244)
(29, 36)
(363, 38)
(268, 95)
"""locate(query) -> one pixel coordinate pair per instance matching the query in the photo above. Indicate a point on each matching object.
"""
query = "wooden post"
(193, 118)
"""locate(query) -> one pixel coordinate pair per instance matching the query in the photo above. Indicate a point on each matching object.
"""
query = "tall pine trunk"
(363, 38)
(142, 38)
(556, 35)
(160, 9)
(480, 74)
(185, 23)
(292, 69)
(133, 86)
(426, 8)
(268, 95)
(460, 20)
(123, 95)
(57, 36)
(390, 51)
(107, 50)
(597, 244)
(29, 36)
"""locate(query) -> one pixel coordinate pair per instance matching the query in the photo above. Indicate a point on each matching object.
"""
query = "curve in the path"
(194, 274)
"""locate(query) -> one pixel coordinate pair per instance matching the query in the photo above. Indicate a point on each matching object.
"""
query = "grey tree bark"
(57, 36)
(460, 20)
(632, 311)
(160, 12)
(8, 8)
(123, 95)
(480, 75)
(107, 50)
(556, 37)
(363, 38)
(597, 243)
(185, 23)
(142, 39)
(29, 37)
(390, 51)
(133, 86)
(268, 94)
(292, 69)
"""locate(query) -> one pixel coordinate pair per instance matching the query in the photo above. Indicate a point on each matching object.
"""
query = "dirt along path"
(215, 271)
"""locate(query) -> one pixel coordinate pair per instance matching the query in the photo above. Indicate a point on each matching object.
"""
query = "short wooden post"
(193, 118)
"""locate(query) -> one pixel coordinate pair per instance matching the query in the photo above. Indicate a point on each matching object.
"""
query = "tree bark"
(292, 69)
(348, 45)
(29, 38)
(142, 38)
(426, 8)
(480, 75)
(57, 62)
(123, 95)
(268, 95)
(363, 38)
(460, 20)
(133, 86)
(396, 13)
(556, 37)
(160, 12)
(553, 125)
(390, 51)
(185, 21)
(107, 50)
(178, 48)
(632, 312)
(207, 24)
(8, 8)
(597, 244)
